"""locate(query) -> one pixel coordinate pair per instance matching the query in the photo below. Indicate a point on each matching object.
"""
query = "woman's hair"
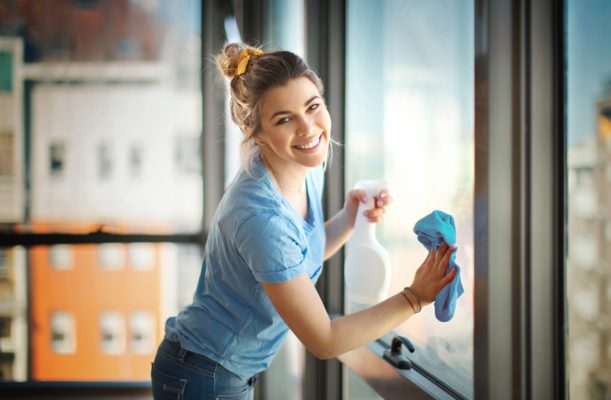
(263, 72)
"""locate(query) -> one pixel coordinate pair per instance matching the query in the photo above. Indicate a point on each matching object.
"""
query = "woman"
(268, 241)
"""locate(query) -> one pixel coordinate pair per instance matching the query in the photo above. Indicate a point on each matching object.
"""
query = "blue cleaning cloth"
(433, 230)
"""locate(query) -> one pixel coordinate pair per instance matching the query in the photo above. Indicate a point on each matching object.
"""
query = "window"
(112, 333)
(409, 121)
(61, 257)
(5, 327)
(141, 256)
(135, 160)
(112, 234)
(63, 332)
(6, 71)
(187, 159)
(105, 162)
(111, 256)
(57, 158)
(142, 331)
(588, 229)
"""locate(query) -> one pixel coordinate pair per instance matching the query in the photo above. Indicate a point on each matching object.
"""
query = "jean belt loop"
(181, 354)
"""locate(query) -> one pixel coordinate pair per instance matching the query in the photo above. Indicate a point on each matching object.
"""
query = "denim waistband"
(189, 357)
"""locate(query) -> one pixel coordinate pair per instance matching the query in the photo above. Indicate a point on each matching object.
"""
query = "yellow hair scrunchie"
(243, 58)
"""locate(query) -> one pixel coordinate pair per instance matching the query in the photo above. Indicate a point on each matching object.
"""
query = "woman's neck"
(288, 178)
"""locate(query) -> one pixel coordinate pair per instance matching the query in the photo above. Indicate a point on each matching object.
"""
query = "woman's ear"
(257, 140)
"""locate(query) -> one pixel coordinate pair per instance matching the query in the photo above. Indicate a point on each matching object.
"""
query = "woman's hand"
(375, 215)
(430, 278)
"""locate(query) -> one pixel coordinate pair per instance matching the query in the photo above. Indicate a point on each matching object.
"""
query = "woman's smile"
(310, 146)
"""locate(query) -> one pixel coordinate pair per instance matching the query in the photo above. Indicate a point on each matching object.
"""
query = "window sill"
(389, 382)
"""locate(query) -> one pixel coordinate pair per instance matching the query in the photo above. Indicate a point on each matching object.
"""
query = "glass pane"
(357, 389)
(95, 312)
(589, 198)
(112, 113)
(409, 121)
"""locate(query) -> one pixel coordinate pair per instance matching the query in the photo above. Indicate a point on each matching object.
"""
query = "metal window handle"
(394, 355)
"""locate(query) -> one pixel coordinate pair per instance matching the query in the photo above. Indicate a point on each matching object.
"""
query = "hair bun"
(227, 60)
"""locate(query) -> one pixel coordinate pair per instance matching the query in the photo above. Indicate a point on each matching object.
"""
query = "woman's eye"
(313, 106)
(282, 121)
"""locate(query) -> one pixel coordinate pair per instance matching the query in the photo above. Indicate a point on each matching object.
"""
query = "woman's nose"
(305, 126)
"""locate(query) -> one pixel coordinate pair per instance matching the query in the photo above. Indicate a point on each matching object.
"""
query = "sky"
(588, 64)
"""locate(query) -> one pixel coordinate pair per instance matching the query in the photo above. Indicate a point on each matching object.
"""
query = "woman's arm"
(299, 304)
(339, 227)
(338, 230)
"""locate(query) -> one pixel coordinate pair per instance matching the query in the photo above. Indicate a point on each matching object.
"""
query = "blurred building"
(11, 130)
(94, 311)
(13, 302)
(13, 315)
(112, 111)
(588, 266)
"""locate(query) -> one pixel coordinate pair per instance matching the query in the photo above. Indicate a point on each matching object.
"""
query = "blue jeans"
(180, 374)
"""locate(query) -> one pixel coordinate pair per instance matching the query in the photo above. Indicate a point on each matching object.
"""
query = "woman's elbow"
(323, 353)
(323, 356)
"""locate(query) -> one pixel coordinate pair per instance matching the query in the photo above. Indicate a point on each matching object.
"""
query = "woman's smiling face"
(295, 125)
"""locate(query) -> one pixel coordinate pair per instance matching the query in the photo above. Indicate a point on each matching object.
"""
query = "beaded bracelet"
(416, 296)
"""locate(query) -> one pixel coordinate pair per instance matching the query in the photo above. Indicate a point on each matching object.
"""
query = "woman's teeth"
(313, 143)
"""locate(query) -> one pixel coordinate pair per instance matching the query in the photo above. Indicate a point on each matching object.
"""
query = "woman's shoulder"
(246, 196)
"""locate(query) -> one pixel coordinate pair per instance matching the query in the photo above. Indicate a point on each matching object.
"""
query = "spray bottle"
(367, 269)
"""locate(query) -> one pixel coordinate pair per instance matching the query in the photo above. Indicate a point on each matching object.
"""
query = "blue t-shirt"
(256, 236)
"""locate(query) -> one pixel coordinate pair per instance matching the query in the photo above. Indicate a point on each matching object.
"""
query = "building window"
(105, 161)
(142, 331)
(186, 154)
(61, 257)
(5, 326)
(112, 333)
(63, 332)
(141, 256)
(57, 159)
(111, 256)
(6, 71)
(135, 160)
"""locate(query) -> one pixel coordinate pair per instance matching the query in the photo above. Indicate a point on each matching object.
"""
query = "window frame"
(212, 15)
(519, 329)
(326, 54)
(520, 198)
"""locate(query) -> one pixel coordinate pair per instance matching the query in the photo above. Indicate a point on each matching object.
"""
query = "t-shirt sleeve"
(271, 247)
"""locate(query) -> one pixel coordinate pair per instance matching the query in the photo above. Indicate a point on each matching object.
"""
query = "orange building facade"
(94, 311)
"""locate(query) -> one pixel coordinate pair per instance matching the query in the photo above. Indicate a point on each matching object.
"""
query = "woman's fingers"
(383, 198)
(441, 250)
(375, 213)
(445, 260)
(449, 277)
(358, 195)
(430, 257)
